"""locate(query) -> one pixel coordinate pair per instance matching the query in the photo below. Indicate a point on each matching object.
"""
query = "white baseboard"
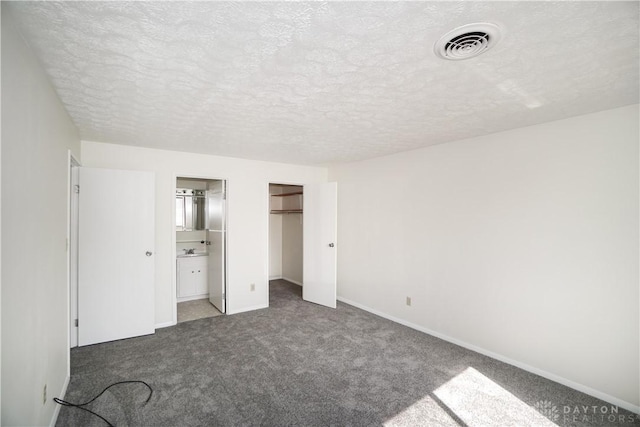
(245, 309)
(548, 375)
(275, 277)
(165, 324)
(56, 411)
(295, 282)
(192, 298)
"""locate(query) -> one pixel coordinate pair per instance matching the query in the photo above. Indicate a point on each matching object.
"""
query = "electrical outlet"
(253, 287)
(409, 301)
(44, 394)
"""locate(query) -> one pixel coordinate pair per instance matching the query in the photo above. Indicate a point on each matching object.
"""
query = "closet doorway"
(286, 232)
(201, 241)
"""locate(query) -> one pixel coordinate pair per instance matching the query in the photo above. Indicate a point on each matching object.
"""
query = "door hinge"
(76, 188)
(76, 323)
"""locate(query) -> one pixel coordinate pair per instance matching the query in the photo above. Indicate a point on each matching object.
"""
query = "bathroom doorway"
(201, 240)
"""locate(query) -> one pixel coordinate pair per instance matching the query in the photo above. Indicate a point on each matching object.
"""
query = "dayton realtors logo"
(548, 409)
(584, 414)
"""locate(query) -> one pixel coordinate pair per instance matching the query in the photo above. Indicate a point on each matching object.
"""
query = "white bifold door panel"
(216, 230)
(319, 247)
(115, 256)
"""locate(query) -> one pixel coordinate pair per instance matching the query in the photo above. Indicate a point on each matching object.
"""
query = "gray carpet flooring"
(298, 363)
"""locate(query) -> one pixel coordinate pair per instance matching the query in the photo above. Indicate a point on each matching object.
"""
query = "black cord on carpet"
(80, 405)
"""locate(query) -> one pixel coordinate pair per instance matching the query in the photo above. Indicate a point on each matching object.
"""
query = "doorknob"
(331, 245)
(149, 253)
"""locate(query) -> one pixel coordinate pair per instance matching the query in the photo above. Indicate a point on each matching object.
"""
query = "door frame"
(72, 253)
(174, 253)
(267, 209)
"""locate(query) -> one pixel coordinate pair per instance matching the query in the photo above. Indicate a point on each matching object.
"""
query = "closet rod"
(287, 194)
(287, 211)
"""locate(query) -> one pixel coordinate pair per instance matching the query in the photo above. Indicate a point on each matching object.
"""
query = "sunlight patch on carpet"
(425, 411)
(478, 401)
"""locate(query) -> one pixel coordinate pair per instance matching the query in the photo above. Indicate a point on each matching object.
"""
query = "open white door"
(216, 229)
(115, 257)
(73, 251)
(319, 247)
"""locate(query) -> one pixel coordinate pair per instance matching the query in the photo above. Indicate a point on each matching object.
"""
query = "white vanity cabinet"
(192, 277)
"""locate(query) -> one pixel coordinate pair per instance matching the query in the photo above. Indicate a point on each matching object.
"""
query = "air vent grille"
(467, 41)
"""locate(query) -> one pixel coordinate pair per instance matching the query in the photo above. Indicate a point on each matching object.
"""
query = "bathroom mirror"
(190, 209)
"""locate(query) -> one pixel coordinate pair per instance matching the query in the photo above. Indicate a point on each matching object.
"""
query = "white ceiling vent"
(467, 41)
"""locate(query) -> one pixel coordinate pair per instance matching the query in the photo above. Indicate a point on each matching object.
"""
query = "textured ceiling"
(319, 83)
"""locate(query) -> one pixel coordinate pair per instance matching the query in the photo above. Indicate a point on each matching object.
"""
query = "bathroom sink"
(192, 255)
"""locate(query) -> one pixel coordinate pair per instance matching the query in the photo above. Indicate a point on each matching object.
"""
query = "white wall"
(521, 243)
(247, 205)
(0, 255)
(191, 183)
(191, 240)
(292, 247)
(36, 134)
